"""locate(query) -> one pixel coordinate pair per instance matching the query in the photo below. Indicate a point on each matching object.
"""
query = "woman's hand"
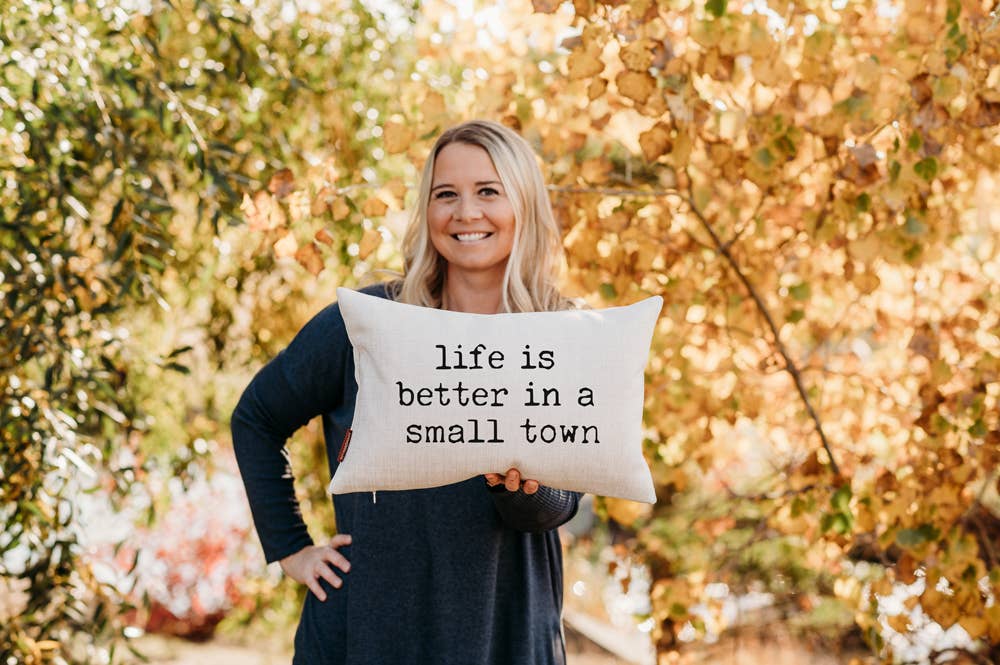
(512, 481)
(310, 563)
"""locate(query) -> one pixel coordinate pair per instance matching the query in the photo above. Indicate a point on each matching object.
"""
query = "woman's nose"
(468, 209)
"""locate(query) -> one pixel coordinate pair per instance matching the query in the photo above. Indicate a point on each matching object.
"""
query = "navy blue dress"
(458, 574)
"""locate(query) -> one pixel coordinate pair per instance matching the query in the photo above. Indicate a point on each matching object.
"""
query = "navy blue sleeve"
(546, 509)
(301, 382)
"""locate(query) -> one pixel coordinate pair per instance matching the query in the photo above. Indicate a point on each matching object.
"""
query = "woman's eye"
(488, 191)
(444, 194)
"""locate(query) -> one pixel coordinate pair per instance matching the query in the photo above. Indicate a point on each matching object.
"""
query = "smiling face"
(469, 217)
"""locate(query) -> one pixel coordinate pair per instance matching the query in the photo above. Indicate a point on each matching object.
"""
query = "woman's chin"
(476, 265)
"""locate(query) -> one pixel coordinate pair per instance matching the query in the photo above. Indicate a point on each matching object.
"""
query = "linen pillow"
(445, 396)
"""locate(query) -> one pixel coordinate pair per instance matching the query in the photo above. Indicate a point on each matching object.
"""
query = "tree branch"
(790, 366)
(615, 191)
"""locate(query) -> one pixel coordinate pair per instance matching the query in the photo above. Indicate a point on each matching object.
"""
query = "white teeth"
(469, 237)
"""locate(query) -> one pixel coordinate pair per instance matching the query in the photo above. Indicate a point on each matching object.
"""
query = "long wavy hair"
(529, 281)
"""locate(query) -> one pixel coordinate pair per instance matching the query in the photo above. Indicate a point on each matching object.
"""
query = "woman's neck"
(472, 293)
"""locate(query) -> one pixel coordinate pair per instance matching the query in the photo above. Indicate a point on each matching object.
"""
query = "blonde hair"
(529, 281)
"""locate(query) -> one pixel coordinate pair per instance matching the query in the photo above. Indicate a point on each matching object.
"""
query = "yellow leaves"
(396, 137)
(939, 606)
(327, 199)
(370, 241)
(867, 248)
(707, 34)
(761, 44)
(584, 63)
(868, 74)
(594, 36)
(637, 86)
(298, 205)
(899, 622)
(681, 153)
(819, 44)
(597, 88)
(616, 222)
(13, 589)
(309, 257)
(40, 650)
(919, 23)
(993, 620)
(641, 10)
(281, 184)
(945, 89)
(339, 209)
(545, 6)
(396, 188)
(638, 55)
(324, 237)
(975, 626)
(771, 71)
(924, 342)
(655, 142)
(596, 170)
(861, 167)
(374, 207)
(731, 124)
(812, 204)
(286, 246)
(433, 108)
(626, 512)
(321, 202)
(262, 212)
(433, 105)
(990, 90)
(906, 568)
(815, 99)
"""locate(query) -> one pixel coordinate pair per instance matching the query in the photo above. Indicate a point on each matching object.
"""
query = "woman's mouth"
(470, 237)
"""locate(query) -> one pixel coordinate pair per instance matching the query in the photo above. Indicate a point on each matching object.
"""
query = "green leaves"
(716, 7)
(914, 226)
(915, 537)
(926, 168)
(112, 159)
(863, 203)
(839, 519)
(800, 291)
(841, 499)
(764, 157)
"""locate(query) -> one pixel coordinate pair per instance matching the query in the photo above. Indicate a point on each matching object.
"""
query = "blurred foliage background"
(812, 187)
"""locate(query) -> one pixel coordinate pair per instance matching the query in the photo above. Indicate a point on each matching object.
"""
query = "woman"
(469, 573)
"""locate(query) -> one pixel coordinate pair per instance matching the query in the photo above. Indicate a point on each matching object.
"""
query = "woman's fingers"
(337, 559)
(313, 563)
(327, 574)
(314, 586)
(340, 540)
(512, 481)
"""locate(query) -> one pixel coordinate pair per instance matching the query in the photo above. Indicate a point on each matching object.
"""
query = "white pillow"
(445, 396)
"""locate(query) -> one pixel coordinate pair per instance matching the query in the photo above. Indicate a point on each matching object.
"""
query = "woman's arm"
(304, 380)
(529, 506)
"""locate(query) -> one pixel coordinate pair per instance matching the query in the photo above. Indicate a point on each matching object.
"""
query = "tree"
(811, 192)
(129, 135)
